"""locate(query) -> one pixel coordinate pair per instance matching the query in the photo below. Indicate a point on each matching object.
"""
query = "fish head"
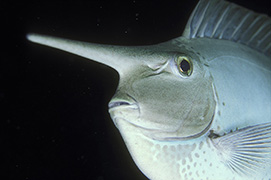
(166, 94)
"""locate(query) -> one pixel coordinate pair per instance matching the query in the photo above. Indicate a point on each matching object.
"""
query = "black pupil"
(185, 66)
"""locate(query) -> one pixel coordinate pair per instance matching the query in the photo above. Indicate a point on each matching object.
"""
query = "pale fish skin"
(198, 106)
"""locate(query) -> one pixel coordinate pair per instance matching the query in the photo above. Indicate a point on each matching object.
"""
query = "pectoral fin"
(247, 150)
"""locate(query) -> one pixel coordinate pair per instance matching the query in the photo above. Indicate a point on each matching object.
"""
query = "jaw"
(132, 115)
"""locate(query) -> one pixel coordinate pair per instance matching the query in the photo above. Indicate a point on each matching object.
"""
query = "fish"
(197, 106)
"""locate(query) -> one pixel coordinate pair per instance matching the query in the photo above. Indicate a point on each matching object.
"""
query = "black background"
(54, 120)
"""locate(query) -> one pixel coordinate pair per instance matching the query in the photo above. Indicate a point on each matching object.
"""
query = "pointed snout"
(118, 57)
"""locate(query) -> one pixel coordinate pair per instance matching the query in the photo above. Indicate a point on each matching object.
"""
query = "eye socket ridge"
(184, 65)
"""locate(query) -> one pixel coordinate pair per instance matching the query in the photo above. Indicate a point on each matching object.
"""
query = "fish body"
(197, 106)
(201, 157)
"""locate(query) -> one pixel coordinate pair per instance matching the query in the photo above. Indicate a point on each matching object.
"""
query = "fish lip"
(122, 104)
(118, 106)
(114, 104)
(130, 102)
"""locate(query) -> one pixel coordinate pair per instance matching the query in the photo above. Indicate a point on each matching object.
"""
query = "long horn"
(117, 57)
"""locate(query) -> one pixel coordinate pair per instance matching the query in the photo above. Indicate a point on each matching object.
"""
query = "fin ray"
(223, 20)
(245, 149)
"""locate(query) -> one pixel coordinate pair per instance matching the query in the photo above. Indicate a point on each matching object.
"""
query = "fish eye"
(184, 66)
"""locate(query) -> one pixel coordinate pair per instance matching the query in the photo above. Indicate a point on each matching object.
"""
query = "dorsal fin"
(223, 20)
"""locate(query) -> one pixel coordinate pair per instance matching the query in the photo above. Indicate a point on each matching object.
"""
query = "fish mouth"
(125, 101)
(124, 110)
(112, 105)
(121, 104)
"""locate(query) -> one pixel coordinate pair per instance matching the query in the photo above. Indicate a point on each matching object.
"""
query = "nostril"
(117, 103)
